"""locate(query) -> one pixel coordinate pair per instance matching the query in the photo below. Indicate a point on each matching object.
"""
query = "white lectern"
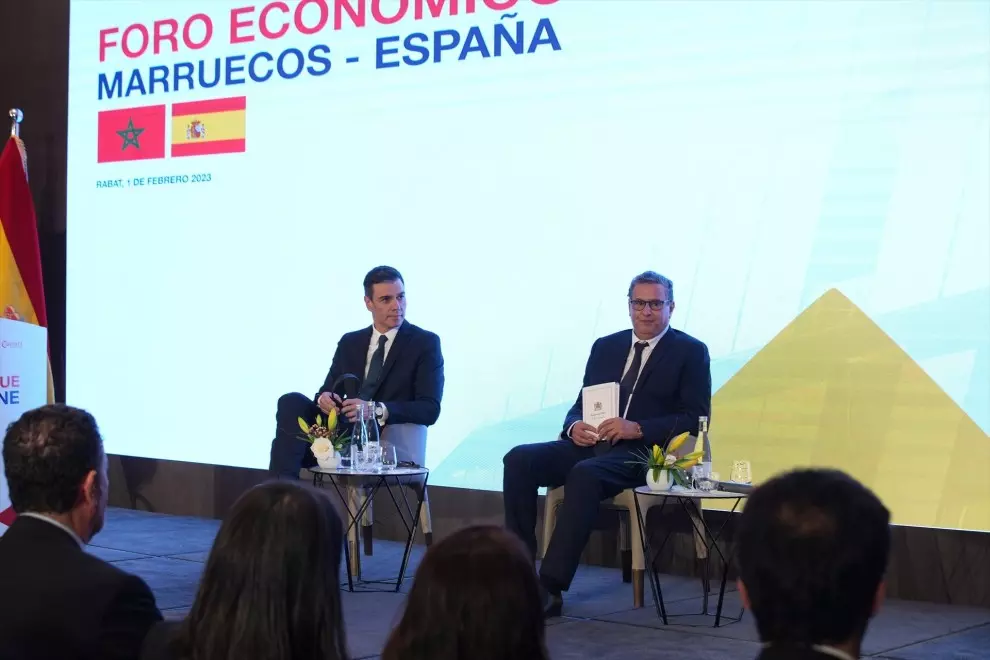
(23, 379)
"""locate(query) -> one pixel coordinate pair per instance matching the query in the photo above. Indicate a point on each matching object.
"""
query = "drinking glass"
(347, 458)
(741, 473)
(389, 461)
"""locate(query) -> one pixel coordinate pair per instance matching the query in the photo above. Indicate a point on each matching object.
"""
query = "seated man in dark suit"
(664, 387)
(57, 601)
(399, 364)
(813, 547)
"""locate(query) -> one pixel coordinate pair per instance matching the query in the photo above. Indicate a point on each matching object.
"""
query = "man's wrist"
(638, 431)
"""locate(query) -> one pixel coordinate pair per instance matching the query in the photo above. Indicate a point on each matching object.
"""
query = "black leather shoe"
(553, 603)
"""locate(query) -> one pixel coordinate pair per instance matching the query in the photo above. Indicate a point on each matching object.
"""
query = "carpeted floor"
(599, 621)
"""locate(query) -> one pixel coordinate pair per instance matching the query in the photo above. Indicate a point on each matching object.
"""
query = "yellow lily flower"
(689, 461)
(303, 425)
(677, 442)
(332, 419)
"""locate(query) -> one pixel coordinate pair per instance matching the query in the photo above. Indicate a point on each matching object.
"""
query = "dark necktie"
(626, 385)
(374, 371)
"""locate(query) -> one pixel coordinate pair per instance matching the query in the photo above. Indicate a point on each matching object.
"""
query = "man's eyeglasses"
(640, 305)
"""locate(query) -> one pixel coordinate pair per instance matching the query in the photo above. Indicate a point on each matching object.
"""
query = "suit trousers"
(290, 454)
(588, 476)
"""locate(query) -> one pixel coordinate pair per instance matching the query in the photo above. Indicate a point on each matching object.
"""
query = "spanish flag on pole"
(22, 295)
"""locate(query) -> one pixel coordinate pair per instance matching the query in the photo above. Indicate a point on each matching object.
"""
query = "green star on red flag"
(130, 135)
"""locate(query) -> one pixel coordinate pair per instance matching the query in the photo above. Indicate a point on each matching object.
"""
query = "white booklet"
(599, 402)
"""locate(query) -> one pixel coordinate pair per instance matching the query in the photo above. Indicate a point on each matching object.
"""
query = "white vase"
(328, 461)
(663, 483)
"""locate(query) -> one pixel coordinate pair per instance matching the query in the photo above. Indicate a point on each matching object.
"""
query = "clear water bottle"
(370, 439)
(706, 446)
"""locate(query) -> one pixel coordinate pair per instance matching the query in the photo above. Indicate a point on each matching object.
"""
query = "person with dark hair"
(474, 596)
(56, 600)
(813, 546)
(270, 589)
(399, 366)
(665, 385)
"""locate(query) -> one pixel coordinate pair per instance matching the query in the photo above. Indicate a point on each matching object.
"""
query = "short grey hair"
(650, 277)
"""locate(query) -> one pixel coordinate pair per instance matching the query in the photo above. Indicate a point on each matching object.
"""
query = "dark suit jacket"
(157, 645)
(411, 385)
(788, 652)
(57, 601)
(674, 388)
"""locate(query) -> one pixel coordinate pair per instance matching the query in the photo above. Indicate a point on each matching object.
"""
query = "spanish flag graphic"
(22, 295)
(209, 127)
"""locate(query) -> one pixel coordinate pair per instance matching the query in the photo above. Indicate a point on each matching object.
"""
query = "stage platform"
(599, 622)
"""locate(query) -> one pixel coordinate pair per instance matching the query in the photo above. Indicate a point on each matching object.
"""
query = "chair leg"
(366, 532)
(353, 543)
(425, 518)
(638, 582)
(367, 522)
(626, 566)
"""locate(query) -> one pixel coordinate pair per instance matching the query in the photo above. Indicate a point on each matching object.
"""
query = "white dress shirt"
(822, 648)
(651, 344)
(51, 521)
(372, 347)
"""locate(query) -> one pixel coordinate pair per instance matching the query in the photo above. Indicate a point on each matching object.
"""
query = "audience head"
(651, 302)
(55, 465)
(385, 297)
(813, 549)
(475, 596)
(270, 588)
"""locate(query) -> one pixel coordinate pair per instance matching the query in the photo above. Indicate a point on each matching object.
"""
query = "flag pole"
(16, 117)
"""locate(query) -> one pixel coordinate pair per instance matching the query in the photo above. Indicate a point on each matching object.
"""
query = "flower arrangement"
(656, 462)
(327, 439)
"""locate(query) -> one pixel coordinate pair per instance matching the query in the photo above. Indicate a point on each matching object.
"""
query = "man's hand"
(583, 435)
(327, 402)
(350, 408)
(616, 429)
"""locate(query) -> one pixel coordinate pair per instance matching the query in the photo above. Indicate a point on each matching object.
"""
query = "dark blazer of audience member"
(57, 600)
(270, 588)
(474, 596)
(813, 550)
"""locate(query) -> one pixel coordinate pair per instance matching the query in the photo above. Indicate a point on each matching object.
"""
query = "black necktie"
(626, 385)
(374, 370)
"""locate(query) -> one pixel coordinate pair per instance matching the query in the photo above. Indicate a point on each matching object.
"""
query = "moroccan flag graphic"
(131, 134)
(217, 126)
(22, 294)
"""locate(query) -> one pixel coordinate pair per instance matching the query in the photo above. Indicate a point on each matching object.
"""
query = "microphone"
(350, 388)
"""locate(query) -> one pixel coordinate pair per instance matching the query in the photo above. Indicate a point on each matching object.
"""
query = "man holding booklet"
(641, 388)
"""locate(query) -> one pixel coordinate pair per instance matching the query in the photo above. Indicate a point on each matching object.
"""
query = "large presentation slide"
(813, 177)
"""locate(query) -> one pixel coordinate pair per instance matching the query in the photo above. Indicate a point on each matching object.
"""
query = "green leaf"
(679, 478)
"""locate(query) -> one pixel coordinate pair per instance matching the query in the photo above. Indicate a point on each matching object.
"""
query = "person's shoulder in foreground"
(58, 600)
(813, 546)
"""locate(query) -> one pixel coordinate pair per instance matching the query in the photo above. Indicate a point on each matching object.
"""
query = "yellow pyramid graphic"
(832, 389)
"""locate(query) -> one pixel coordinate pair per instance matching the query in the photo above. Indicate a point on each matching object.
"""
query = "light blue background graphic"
(758, 154)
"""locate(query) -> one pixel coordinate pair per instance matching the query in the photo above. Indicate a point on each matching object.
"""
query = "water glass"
(741, 473)
(389, 461)
(347, 458)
